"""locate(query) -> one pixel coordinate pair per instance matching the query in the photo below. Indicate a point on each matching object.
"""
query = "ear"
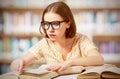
(68, 24)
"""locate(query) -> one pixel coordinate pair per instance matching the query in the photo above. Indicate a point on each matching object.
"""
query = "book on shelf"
(82, 72)
(98, 72)
(109, 47)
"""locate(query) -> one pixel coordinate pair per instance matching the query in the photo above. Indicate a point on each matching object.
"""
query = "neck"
(64, 42)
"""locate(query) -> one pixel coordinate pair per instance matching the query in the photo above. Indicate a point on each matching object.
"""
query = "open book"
(10, 75)
(41, 73)
(89, 72)
(98, 72)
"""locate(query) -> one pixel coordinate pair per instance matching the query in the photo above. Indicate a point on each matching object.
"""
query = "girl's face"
(55, 26)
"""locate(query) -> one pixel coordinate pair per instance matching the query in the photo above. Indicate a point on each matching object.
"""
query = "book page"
(98, 69)
(10, 75)
(41, 76)
(40, 70)
(71, 76)
(93, 72)
(72, 70)
(16, 73)
(113, 69)
(112, 73)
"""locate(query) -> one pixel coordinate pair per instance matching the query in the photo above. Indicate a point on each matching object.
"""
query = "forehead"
(52, 17)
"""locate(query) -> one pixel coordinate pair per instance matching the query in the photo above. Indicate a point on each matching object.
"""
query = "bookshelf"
(19, 31)
(19, 23)
(102, 25)
(109, 46)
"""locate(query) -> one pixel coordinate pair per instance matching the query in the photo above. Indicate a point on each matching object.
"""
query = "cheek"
(62, 30)
(63, 27)
(47, 32)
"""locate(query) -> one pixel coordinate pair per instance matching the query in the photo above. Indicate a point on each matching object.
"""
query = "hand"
(17, 65)
(60, 66)
(66, 64)
(53, 67)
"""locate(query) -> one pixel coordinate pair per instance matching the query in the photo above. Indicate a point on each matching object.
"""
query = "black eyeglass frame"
(51, 24)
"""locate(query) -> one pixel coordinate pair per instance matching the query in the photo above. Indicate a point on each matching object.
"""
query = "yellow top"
(45, 48)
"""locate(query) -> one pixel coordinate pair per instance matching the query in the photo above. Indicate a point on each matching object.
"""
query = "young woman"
(62, 47)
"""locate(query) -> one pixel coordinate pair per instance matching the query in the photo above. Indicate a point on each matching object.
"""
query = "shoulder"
(45, 41)
(81, 37)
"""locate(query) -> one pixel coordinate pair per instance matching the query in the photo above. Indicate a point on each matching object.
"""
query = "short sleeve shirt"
(45, 48)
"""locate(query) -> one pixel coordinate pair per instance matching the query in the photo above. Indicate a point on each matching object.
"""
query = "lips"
(52, 35)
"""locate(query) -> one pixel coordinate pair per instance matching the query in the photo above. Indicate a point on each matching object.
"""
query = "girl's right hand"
(17, 64)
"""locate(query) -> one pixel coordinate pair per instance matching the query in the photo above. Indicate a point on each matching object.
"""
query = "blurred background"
(20, 21)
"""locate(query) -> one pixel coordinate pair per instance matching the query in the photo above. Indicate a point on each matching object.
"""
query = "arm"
(93, 58)
(33, 53)
(22, 62)
(90, 56)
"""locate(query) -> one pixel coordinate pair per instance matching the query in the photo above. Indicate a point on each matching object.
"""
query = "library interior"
(99, 20)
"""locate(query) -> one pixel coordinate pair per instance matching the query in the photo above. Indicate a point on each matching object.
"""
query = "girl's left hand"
(60, 66)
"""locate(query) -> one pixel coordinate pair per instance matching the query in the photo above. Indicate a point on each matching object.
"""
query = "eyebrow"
(53, 21)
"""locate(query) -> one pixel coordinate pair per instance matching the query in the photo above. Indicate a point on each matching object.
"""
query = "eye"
(56, 23)
(46, 23)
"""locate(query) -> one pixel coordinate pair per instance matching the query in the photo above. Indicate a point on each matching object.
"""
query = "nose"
(51, 29)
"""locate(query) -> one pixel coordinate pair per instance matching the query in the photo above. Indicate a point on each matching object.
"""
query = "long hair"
(64, 11)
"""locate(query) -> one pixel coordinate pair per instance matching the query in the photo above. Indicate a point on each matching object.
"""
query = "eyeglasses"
(54, 24)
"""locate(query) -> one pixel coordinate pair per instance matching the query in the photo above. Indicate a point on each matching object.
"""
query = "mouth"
(52, 35)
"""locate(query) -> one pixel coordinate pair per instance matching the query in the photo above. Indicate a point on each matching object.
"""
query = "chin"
(52, 39)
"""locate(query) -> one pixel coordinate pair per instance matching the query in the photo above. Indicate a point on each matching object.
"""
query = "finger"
(53, 68)
(13, 66)
(48, 69)
(61, 68)
(56, 68)
(21, 67)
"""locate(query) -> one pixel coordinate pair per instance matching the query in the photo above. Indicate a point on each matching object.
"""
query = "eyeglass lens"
(54, 25)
